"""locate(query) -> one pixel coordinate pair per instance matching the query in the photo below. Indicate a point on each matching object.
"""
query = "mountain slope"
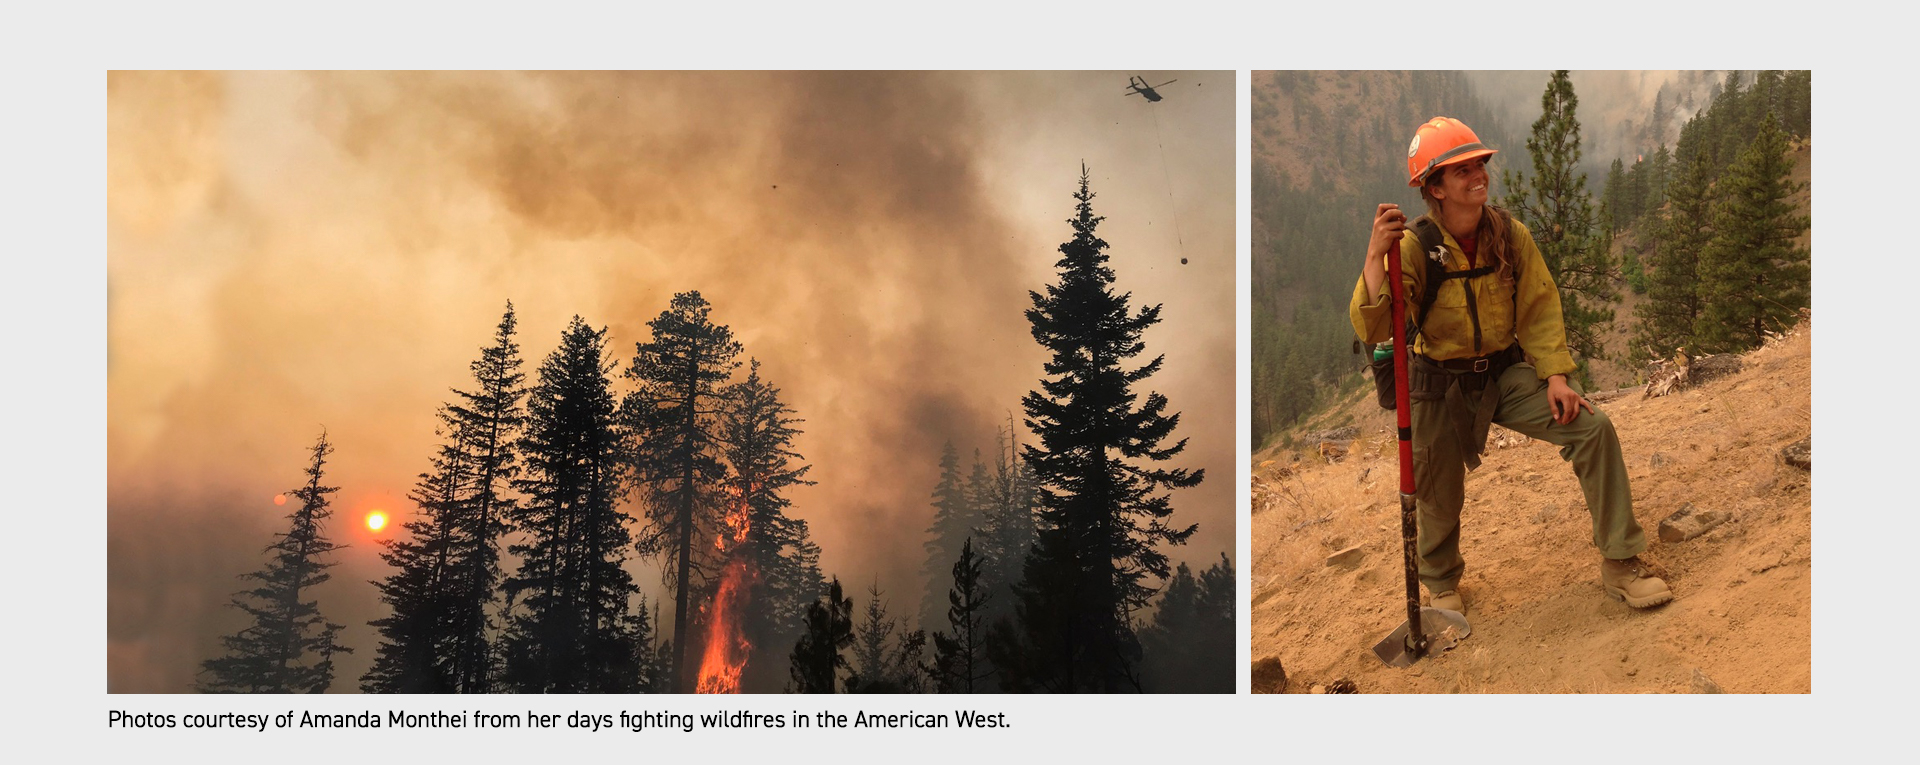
(1541, 622)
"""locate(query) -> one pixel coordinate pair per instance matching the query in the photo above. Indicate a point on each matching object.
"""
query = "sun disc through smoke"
(376, 520)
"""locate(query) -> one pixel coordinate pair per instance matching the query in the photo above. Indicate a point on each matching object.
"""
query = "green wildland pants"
(1440, 472)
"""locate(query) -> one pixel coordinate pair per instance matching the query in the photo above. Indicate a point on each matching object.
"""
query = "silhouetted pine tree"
(758, 432)
(1104, 511)
(1557, 208)
(1190, 644)
(289, 647)
(574, 635)
(959, 662)
(649, 662)
(953, 521)
(437, 639)
(486, 423)
(873, 652)
(1753, 277)
(681, 372)
(816, 660)
(416, 651)
(1673, 288)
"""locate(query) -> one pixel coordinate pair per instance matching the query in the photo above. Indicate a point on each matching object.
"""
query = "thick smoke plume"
(289, 252)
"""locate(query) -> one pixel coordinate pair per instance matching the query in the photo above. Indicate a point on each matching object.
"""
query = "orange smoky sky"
(293, 251)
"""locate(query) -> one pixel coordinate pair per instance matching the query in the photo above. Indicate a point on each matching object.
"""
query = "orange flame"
(727, 647)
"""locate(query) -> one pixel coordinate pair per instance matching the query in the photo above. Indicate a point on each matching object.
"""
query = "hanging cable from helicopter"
(1138, 86)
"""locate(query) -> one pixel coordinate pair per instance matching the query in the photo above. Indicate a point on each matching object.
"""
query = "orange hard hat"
(1440, 142)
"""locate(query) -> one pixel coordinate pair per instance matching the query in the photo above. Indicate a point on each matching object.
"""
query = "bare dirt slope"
(1541, 622)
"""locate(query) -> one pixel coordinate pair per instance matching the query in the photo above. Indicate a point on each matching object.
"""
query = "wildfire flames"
(726, 652)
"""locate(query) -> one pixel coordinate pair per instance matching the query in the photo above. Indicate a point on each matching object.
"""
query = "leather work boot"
(1449, 600)
(1625, 580)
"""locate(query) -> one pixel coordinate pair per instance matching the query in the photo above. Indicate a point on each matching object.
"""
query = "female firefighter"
(1489, 346)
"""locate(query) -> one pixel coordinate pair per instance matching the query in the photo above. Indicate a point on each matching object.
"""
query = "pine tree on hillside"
(574, 634)
(289, 647)
(1556, 206)
(817, 659)
(959, 664)
(681, 373)
(1666, 317)
(1189, 644)
(1105, 511)
(1613, 197)
(953, 521)
(1753, 277)
(757, 431)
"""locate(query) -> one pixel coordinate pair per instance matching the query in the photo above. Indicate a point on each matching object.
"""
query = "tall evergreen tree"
(1614, 197)
(438, 638)
(1753, 276)
(953, 521)
(959, 664)
(289, 647)
(1105, 511)
(681, 372)
(1556, 206)
(1667, 316)
(817, 659)
(575, 634)
(1190, 643)
(758, 431)
(486, 422)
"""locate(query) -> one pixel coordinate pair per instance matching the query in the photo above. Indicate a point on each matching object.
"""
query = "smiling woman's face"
(1464, 183)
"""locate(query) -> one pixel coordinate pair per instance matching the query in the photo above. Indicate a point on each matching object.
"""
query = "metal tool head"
(1441, 628)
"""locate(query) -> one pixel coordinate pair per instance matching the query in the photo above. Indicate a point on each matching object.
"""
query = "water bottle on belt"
(1383, 374)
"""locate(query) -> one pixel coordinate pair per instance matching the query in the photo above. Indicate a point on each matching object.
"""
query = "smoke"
(1616, 108)
(289, 252)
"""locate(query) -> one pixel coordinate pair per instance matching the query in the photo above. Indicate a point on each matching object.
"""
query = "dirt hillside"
(1741, 620)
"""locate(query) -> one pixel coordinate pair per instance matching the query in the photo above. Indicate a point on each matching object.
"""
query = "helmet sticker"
(1413, 148)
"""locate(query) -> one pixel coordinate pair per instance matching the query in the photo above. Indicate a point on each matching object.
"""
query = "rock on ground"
(1269, 676)
(1689, 522)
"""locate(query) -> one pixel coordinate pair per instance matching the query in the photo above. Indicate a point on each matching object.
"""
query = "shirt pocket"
(1448, 327)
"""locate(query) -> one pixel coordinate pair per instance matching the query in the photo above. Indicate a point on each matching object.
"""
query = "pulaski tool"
(1427, 630)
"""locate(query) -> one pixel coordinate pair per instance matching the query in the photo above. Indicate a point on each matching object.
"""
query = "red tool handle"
(1403, 417)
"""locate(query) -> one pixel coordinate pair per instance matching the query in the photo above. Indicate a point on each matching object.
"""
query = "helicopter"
(1139, 85)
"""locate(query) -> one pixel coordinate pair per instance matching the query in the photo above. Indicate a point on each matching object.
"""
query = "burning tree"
(675, 413)
(575, 633)
(772, 568)
(272, 655)
(1104, 513)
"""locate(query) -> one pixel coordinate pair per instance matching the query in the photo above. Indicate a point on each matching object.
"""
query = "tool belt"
(1469, 391)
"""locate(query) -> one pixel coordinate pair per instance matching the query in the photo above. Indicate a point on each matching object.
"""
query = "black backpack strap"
(1434, 253)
